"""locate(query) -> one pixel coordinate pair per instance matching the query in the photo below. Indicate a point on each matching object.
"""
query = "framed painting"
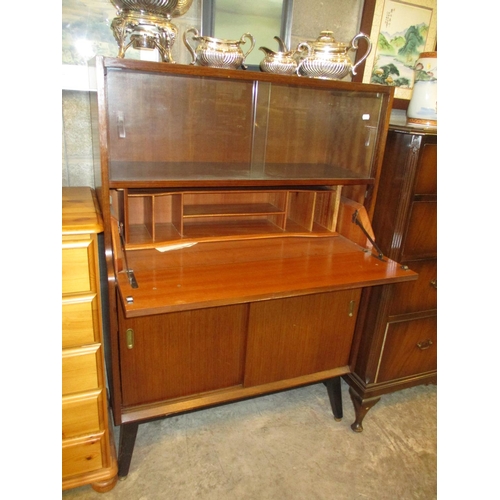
(400, 31)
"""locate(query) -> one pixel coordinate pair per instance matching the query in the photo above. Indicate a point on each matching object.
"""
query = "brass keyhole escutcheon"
(129, 337)
(352, 306)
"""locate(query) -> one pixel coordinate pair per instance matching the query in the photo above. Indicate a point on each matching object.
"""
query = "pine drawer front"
(80, 369)
(82, 456)
(80, 415)
(78, 274)
(80, 320)
(410, 348)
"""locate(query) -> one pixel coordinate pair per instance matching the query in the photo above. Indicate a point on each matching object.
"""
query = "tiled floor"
(286, 446)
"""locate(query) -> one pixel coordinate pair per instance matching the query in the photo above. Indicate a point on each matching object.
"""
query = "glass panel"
(175, 128)
(188, 122)
(314, 133)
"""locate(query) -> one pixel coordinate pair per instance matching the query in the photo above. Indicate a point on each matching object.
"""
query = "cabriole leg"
(361, 407)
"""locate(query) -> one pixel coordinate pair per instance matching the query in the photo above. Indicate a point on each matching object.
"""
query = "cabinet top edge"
(231, 74)
(81, 213)
(408, 129)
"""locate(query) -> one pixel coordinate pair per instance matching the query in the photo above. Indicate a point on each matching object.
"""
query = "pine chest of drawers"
(88, 454)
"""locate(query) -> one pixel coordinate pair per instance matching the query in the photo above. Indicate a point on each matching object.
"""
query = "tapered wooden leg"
(128, 433)
(335, 394)
(361, 407)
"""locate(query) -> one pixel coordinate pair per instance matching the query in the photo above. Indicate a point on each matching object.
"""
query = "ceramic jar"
(422, 109)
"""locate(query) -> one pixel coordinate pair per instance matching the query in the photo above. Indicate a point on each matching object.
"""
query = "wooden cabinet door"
(179, 354)
(297, 336)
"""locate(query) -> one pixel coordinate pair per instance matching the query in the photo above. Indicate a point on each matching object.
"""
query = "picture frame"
(390, 20)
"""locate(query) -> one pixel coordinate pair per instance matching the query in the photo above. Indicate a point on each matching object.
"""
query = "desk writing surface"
(232, 272)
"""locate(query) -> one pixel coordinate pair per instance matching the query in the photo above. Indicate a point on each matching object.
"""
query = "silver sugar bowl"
(217, 52)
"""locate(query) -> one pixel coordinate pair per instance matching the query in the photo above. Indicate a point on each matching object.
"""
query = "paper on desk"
(177, 246)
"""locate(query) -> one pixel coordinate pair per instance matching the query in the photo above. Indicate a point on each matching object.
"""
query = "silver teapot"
(326, 58)
(217, 52)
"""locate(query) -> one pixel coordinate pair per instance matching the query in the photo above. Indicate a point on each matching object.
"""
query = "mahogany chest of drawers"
(398, 332)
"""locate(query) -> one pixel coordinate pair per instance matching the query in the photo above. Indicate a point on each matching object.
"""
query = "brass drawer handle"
(425, 344)
(434, 283)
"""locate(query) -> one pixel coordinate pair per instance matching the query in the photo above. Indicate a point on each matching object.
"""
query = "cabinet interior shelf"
(156, 217)
(230, 210)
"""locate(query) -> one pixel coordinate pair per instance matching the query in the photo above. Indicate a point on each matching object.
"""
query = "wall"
(309, 18)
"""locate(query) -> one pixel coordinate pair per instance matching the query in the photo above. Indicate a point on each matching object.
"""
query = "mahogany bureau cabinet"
(398, 347)
(237, 224)
(88, 452)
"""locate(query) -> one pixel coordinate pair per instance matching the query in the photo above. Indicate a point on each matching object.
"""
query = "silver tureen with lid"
(147, 25)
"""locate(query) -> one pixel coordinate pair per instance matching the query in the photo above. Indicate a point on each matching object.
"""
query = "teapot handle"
(186, 42)
(300, 48)
(354, 45)
(252, 45)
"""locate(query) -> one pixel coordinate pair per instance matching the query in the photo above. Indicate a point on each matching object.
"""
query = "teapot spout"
(281, 44)
(267, 51)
